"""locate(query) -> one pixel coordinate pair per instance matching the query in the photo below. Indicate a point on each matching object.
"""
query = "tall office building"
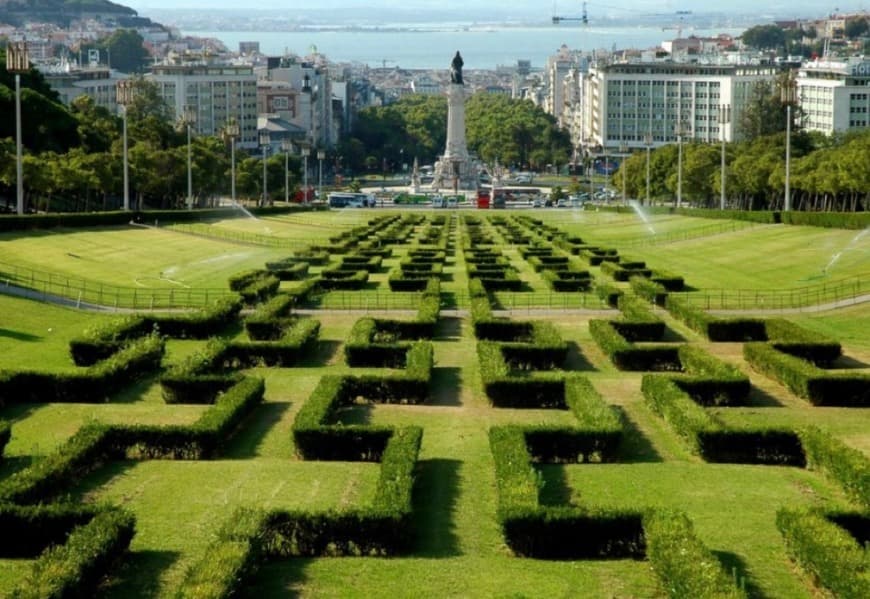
(834, 96)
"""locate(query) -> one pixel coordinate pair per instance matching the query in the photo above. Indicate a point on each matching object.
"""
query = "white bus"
(349, 199)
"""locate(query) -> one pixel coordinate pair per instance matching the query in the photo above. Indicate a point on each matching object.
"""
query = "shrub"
(685, 566)
(826, 551)
(76, 567)
(806, 380)
(650, 290)
(627, 356)
(848, 466)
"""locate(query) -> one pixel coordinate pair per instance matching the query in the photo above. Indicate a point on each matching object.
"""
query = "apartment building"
(834, 96)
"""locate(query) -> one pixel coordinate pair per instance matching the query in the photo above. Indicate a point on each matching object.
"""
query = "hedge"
(75, 568)
(86, 385)
(504, 390)
(668, 281)
(293, 271)
(638, 323)
(271, 318)
(829, 553)
(28, 530)
(626, 355)
(806, 380)
(567, 280)
(608, 293)
(792, 339)
(714, 328)
(848, 466)
(834, 220)
(650, 290)
(756, 216)
(94, 444)
(5, 435)
(685, 566)
(341, 279)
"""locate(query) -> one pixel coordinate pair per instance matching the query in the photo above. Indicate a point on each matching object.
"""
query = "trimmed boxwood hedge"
(650, 290)
(682, 562)
(288, 271)
(95, 384)
(848, 466)
(806, 380)
(94, 444)
(75, 568)
(715, 328)
(626, 355)
(828, 552)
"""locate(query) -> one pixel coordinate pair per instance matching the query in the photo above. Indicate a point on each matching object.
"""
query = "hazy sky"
(526, 9)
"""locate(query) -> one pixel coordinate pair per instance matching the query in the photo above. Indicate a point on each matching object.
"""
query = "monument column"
(455, 168)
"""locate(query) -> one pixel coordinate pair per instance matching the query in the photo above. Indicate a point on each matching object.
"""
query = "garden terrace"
(295, 479)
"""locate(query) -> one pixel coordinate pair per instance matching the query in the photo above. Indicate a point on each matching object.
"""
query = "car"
(452, 203)
(523, 179)
(537, 203)
(562, 203)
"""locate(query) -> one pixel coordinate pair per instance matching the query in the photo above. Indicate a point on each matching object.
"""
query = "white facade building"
(627, 102)
(218, 92)
(835, 96)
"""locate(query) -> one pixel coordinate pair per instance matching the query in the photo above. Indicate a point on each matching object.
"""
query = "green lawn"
(458, 549)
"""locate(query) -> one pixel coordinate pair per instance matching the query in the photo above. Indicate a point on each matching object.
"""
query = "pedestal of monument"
(455, 165)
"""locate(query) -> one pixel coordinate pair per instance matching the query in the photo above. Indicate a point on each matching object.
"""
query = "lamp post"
(18, 62)
(265, 142)
(287, 146)
(189, 121)
(789, 96)
(123, 97)
(231, 131)
(679, 131)
(724, 119)
(647, 139)
(623, 150)
(306, 152)
(321, 154)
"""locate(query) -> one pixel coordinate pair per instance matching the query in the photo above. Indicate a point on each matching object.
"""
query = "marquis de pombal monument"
(455, 168)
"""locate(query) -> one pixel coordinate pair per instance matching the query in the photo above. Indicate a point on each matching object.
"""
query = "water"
(481, 47)
(642, 215)
(238, 206)
(849, 246)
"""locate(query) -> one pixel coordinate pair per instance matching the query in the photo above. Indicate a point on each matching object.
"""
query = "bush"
(685, 566)
(826, 551)
(75, 568)
(806, 380)
(848, 466)
(91, 385)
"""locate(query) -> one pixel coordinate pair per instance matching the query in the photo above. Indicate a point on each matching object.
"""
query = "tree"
(764, 37)
(125, 51)
(856, 28)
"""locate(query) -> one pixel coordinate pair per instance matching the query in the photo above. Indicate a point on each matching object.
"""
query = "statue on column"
(456, 69)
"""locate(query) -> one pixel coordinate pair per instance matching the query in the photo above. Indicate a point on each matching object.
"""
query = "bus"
(349, 199)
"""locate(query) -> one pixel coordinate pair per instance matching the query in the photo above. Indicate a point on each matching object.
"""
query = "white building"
(835, 96)
(71, 81)
(218, 92)
(629, 102)
(313, 108)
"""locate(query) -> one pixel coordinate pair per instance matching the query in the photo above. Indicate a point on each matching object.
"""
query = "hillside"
(61, 12)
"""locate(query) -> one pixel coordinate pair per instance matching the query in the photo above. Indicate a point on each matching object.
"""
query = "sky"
(503, 10)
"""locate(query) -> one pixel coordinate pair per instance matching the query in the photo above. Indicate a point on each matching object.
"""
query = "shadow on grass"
(734, 564)
(139, 574)
(18, 335)
(759, 398)
(555, 491)
(324, 353)
(280, 578)
(446, 386)
(434, 502)
(136, 389)
(99, 478)
(448, 329)
(245, 444)
(671, 336)
(843, 362)
(357, 414)
(448, 300)
(635, 447)
(9, 465)
(576, 359)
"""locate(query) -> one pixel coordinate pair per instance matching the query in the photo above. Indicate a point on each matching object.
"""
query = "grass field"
(458, 549)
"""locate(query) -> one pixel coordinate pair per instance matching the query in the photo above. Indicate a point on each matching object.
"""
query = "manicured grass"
(458, 549)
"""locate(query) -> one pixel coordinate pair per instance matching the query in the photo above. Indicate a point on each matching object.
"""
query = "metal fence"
(46, 285)
(828, 293)
(238, 236)
(683, 235)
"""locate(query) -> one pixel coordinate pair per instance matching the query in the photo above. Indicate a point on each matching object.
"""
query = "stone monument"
(455, 170)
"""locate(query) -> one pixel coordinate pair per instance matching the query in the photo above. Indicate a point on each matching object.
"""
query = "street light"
(647, 139)
(679, 131)
(306, 152)
(321, 154)
(265, 142)
(231, 131)
(189, 121)
(724, 119)
(123, 97)
(287, 146)
(789, 97)
(18, 62)
(623, 150)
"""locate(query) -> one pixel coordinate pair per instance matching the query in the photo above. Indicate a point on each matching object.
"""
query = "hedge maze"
(531, 409)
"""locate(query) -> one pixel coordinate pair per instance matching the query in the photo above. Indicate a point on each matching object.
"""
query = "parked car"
(537, 203)
(562, 203)
(452, 203)
(523, 178)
